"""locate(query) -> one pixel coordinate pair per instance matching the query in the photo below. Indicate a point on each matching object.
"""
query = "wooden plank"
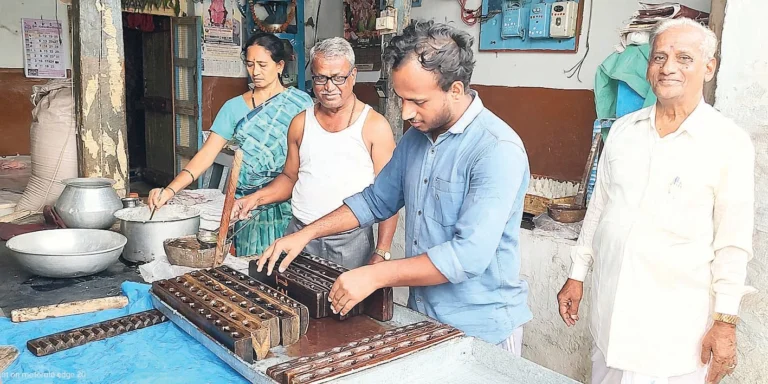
(229, 202)
(393, 106)
(192, 63)
(8, 354)
(716, 20)
(99, 79)
(13, 216)
(66, 309)
(186, 108)
(581, 195)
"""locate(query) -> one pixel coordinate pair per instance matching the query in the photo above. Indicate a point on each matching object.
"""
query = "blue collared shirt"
(463, 195)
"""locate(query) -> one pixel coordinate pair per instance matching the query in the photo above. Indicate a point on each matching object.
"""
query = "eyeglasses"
(338, 79)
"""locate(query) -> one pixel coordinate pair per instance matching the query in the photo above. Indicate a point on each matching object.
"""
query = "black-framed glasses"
(338, 79)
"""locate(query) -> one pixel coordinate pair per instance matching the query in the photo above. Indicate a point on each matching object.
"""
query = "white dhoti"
(602, 374)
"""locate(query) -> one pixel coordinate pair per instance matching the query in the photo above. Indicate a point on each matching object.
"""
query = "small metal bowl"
(130, 202)
(66, 253)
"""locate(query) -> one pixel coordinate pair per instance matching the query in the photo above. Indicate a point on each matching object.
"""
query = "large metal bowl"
(67, 252)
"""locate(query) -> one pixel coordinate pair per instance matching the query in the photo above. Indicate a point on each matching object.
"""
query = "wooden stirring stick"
(229, 202)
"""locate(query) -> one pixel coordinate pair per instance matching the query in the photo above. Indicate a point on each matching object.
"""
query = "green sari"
(263, 138)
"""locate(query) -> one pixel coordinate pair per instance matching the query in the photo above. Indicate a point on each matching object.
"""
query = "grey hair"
(440, 48)
(333, 47)
(708, 43)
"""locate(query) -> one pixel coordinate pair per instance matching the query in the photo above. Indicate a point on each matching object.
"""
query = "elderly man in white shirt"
(668, 232)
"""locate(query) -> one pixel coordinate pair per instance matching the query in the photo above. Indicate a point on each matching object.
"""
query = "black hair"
(440, 48)
(271, 43)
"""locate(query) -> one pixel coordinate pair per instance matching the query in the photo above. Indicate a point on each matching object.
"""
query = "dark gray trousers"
(351, 249)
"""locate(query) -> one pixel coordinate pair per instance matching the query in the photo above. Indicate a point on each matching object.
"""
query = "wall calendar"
(43, 51)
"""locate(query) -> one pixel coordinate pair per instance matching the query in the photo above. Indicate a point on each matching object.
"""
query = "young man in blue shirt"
(461, 173)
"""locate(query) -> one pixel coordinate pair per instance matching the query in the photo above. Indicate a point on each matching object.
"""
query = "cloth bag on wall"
(53, 144)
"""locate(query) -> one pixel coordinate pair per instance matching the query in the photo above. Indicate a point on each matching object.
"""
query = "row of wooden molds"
(242, 314)
(309, 279)
(362, 353)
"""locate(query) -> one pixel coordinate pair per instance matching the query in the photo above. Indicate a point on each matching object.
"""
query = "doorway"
(162, 72)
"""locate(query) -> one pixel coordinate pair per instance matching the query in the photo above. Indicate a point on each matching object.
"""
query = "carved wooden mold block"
(309, 279)
(240, 313)
(72, 338)
(362, 353)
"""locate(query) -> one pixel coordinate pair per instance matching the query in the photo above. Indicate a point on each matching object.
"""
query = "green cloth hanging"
(630, 67)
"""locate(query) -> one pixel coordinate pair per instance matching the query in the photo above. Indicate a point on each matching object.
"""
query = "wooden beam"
(67, 309)
(99, 79)
(716, 19)
(393, 107)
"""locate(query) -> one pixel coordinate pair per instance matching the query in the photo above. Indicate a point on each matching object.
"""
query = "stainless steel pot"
(88, 203)
(145, 237)
(64, 253)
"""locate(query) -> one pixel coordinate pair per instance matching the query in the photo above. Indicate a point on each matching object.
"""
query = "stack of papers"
(638, 31)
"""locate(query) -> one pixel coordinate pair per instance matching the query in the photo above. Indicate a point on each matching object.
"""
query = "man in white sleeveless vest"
(335, 150)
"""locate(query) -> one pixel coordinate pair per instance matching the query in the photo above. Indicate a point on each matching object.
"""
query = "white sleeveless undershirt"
(332, 167)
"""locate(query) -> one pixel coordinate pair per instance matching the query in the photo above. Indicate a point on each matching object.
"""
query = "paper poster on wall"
(222, 39)
(222, 60)
(43, 51)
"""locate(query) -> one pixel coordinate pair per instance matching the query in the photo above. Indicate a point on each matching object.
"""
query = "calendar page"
(43, 52)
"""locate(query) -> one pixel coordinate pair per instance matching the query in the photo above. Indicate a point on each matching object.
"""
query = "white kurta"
(668, 234)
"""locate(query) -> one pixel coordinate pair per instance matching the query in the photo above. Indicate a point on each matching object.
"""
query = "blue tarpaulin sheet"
(162, 353)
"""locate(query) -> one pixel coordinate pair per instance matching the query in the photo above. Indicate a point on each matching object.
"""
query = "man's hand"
(568, 300)
(351, 288)
(292, 245)
(720, 345)
(375, 258)
(243, 206)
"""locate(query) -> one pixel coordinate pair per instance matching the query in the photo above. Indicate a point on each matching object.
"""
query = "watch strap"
(730, 319)
(384, 254)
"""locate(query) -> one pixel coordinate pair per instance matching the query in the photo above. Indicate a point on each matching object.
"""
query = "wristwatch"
(730, 319)
(384, 254)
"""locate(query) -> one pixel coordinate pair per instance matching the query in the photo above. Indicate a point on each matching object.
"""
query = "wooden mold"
(362, 353)
(245, 319)
(309, 280)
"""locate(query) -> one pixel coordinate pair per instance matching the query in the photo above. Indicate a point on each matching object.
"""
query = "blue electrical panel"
(538, 24)
(522, 25)
(514, 22)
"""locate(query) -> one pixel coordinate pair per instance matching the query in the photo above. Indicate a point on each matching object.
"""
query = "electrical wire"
(576, 69)
(470, 17)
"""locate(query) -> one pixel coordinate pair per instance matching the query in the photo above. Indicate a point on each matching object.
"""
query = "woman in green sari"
(258, 121)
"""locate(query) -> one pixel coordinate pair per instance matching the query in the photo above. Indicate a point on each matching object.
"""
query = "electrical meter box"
(538, 24)
(514, 22)
(563, 19)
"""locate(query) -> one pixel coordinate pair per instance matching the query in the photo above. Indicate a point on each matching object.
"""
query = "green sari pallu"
(263, 137)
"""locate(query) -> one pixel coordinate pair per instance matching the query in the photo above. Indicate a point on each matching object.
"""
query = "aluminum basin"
(146, 237)
(65, 253)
